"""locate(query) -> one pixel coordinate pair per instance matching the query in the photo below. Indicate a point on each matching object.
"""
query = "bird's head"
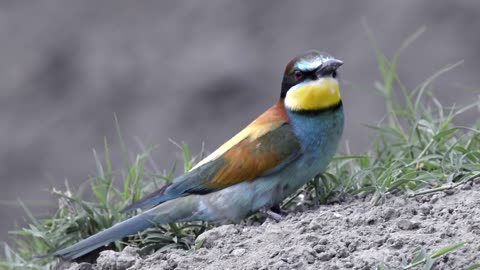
(309, 82)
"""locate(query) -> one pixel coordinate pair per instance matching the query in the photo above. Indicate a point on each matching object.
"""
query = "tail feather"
(118, 231)
(180, 209)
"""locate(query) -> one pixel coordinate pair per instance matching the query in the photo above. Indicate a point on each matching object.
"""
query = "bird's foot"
(270, 214)
(277, 209)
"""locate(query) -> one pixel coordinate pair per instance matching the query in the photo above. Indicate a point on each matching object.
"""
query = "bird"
(271, 158)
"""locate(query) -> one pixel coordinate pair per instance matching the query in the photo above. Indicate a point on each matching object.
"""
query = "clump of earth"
(348, 234)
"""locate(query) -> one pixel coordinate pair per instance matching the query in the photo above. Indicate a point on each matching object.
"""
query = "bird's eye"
(298, 75)
(334, 74)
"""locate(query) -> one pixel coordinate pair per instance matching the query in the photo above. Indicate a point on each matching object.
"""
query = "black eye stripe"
(311, 74)
(305, 73)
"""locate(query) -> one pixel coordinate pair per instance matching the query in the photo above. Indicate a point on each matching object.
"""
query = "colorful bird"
(270, 159)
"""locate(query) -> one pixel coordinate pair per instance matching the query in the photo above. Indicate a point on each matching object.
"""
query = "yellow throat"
(313, 95)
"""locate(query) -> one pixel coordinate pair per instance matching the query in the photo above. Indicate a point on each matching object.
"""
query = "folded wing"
(264, 146)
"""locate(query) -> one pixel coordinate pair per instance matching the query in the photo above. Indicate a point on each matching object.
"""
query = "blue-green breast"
(319, 133)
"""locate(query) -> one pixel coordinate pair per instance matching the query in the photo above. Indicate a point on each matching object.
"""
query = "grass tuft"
(421, 257)
(78, 218)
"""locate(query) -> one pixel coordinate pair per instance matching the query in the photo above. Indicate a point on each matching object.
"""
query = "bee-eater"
(268, 160)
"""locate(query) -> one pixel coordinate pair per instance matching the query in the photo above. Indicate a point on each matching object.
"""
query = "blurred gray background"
(193, 71)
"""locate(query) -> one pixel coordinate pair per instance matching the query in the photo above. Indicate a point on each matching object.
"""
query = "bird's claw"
(270, 214)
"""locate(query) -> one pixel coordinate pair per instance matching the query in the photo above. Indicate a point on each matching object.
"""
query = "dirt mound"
(347, 235)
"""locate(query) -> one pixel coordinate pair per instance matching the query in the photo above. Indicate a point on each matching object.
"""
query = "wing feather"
(266, 145)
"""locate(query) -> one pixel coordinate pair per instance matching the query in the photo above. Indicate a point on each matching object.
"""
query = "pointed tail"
(118, 231)
(181, 209)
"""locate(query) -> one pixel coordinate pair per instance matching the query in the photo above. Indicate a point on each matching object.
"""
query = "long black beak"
(328, 67)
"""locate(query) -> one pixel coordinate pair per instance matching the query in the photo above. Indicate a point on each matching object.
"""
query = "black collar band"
(318, 111)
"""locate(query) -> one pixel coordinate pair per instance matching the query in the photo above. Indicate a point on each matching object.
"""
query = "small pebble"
(238, 252)
(407, 225)
(327, 255)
